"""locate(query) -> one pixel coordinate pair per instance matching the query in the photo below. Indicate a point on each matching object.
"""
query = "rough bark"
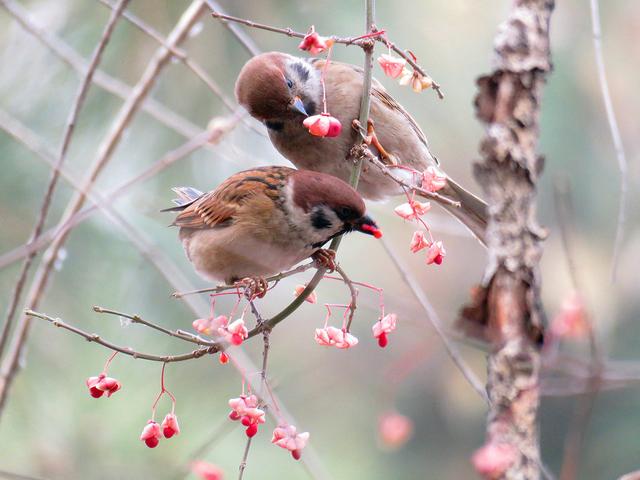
(508, 304)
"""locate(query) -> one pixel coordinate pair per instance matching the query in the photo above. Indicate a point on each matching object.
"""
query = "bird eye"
(346, 213)
(289, 83)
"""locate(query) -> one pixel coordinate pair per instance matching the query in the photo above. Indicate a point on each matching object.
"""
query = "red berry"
(382, 340)
(251, 430)
(95, 393)
(246, 420)
(296, 454)
(224, 358)
(168, 432)
(152, 442)
(438, 259)
(334, 127)
(236, 339)
(234, 416)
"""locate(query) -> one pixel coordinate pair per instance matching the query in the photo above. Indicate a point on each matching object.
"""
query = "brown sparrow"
(263, 221)
(281, 90)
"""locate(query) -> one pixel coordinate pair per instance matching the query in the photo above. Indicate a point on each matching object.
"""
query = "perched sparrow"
(262, 221)
(281, 90)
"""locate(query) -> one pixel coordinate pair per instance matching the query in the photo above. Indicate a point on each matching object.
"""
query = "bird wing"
(221, 206)
(382, 103)
(380, 96)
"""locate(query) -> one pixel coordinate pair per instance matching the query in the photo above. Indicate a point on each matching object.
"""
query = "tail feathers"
(472, 212)
(186, 196)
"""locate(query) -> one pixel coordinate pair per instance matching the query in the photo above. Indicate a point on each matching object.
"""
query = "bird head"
(323, 207)
(276, 86)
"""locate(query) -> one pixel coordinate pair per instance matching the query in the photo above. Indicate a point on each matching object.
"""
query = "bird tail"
(472, 212)
(186, 196)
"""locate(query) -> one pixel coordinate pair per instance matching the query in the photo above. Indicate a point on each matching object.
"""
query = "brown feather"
(221, 205)
(261, 87)
(313, 188)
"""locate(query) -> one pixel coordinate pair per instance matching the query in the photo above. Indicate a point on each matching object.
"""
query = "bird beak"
(299, 106)
(368, 226)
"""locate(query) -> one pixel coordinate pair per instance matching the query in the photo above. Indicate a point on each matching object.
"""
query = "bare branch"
(289, 32)
(273, 278)
(245, 40)
(582, 413)
(172, 333)
(263, 380)
(66, 139)
(434, 319)
(615, 133)
(354, 294)
(112, 85)
(34, 143)
(92, 337)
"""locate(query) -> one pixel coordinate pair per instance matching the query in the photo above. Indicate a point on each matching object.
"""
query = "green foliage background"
(52, 429)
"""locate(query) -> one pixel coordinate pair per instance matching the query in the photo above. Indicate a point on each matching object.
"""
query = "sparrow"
(280, 90)
(262, 221)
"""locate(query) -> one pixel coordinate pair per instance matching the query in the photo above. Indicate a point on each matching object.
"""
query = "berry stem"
(108, 362)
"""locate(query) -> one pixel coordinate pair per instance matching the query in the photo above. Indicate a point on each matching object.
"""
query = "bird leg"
(253, 287)
(372, 139)
(325, 258)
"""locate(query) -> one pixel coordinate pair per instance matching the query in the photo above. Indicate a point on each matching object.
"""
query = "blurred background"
(52, 429)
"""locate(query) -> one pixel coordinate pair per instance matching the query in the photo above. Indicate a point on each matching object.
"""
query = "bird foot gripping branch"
(325, 258)
(253, 287)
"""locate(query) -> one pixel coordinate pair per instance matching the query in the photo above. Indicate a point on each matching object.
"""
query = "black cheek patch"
(319, 220)
(310, 107)
(274, 125)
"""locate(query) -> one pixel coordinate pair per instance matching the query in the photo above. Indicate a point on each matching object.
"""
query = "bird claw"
(372, 139)
(253, 287)
(325, 258)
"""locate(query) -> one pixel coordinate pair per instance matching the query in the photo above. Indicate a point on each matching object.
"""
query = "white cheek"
(302, 221)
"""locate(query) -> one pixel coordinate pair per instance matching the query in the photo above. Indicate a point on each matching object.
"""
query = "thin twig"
(352, 291)
(434, 319)
(222, 288)
(289, 32)
(263, 381)
(112, 85)
(615, 133)
(411, 187)
(435, 85)
(580, 419)
(92, 337)
(66, 139)
(214, 135)
(172, 333)
(245, 40)
(177, 53)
